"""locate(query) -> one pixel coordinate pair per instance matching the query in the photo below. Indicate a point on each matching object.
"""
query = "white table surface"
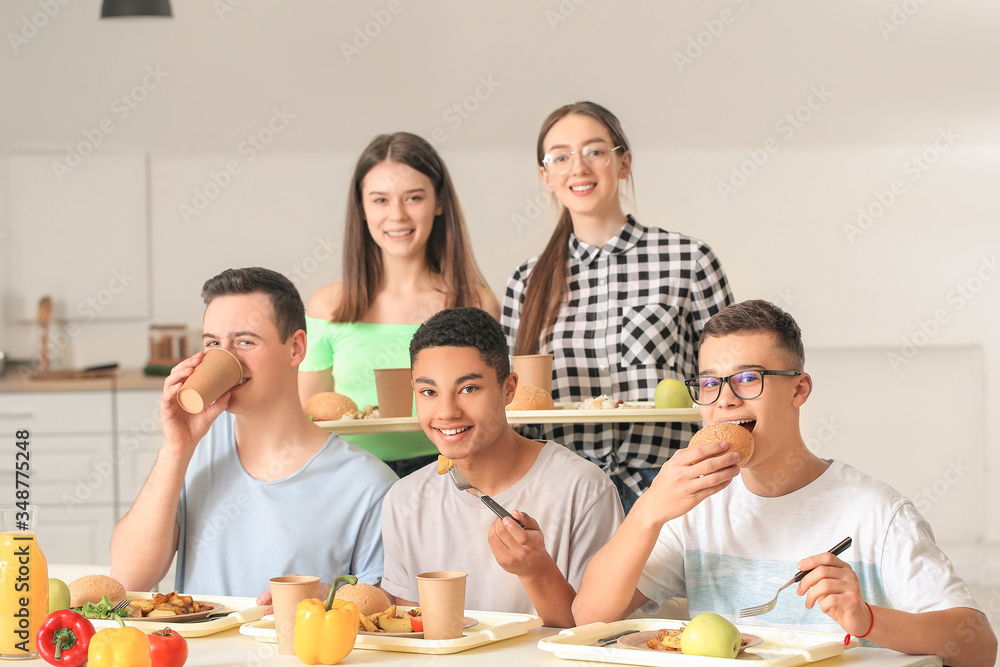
(231, 648)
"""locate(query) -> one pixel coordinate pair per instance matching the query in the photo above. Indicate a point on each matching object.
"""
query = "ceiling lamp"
(116, 8)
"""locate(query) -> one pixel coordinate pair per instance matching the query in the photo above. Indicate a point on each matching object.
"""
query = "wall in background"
(841, 159)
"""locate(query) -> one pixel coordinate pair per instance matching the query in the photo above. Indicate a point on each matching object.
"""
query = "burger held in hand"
(739, 439)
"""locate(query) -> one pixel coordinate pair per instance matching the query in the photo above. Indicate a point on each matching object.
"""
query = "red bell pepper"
(64, 637)
(167, 648)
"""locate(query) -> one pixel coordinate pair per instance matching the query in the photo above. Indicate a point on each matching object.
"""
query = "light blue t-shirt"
(236, 531)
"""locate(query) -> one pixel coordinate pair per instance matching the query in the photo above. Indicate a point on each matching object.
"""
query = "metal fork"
(764, 608)
(120, 607)
(463, 485)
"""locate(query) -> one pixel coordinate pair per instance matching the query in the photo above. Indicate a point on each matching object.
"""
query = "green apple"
(58, 595)
(672, 393)
(711, 635)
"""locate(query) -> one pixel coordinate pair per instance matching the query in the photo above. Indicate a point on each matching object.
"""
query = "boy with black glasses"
(725, 541)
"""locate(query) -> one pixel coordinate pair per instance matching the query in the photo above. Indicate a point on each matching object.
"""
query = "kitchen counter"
(125, 379)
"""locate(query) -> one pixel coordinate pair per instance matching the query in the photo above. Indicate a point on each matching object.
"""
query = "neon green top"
(351, 351)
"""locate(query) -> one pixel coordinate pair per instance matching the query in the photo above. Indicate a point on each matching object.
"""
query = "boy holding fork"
(723, 535)
(462, 380)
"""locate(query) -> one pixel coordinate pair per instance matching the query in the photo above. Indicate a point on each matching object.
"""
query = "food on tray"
(671, 393)
(369, 599)
(528, 397)
(739, 438)
(444, 465)
(389, 621)
(92, 587)
(166, 605)
(601, 402)
(666, 640)
(331, 406)
(711, 635)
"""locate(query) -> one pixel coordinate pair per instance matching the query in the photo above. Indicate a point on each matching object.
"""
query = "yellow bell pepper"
(119, 647)
(325, 633)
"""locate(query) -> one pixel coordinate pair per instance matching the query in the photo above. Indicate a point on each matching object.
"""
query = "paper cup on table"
(395, 393)
(218, 372)
(534, 370)
(442, 603)
(286, 594)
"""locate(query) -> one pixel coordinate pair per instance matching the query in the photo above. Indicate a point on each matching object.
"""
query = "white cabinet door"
(81, 237)
(81, 535)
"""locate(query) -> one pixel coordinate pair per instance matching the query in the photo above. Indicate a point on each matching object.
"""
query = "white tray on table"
(492, 627)
(634, 412)
(245, 610)
(781, 647)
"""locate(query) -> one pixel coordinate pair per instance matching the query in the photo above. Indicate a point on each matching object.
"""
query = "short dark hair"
(465, 327)
(759, 315)
(286, 303)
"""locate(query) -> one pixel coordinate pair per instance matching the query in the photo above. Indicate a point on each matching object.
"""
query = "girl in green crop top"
(406, 257)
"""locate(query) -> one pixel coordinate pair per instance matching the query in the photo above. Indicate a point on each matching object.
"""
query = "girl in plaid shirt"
(618, 305)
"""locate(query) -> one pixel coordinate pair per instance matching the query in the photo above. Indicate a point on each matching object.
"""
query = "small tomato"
(418, 623)
(167, 648)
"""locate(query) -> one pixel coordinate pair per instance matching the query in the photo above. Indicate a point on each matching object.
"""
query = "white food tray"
(246, 610)
(493, 627)
(634, 412)
(781, 647)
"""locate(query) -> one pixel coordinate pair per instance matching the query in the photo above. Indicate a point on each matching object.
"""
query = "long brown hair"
(547, 281)
(448, 250)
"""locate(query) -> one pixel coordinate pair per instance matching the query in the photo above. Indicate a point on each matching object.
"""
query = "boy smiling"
(726, 541)
(462, 381)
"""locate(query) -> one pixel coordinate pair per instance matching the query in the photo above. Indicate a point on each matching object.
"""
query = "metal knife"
(613, 638)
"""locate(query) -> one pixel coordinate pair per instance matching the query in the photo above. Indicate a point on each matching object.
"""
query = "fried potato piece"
(666, 640)
(157, 613)
(368, 625)
(444, 465)
(145, 606)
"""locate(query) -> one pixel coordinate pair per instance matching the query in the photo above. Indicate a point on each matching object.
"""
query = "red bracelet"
(847, 639)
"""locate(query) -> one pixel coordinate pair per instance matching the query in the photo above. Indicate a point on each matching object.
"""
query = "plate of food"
(669, 639)
(170, 607)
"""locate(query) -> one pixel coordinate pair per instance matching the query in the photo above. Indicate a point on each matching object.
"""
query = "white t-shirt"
(237, 531)
(735, 549)
(428, 524)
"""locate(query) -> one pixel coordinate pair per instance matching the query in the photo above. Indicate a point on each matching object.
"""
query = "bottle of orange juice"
(24, 582)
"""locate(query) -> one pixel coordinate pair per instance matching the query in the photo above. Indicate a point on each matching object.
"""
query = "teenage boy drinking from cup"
(258, 490)
(725, 540)
(462, 381)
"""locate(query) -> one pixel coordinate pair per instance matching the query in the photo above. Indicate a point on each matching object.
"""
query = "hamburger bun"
(528, 397)
(369, 599)
(329, 406)
(93, 587)
(739, 439)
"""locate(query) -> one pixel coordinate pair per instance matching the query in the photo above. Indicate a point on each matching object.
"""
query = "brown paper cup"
(442, 603)
(218, 372)
(395, 393)
(286, 594)
(534, 370)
